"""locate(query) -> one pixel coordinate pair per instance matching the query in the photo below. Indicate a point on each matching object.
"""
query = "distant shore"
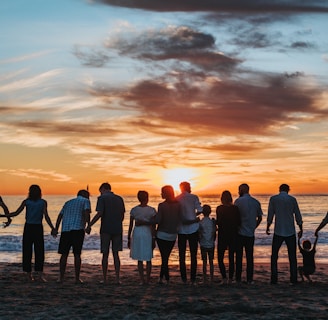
(92, 300)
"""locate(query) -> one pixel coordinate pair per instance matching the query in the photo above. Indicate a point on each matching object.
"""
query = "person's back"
(169, 216)
(113, 209)
(34, 211)
(250, 210)
(72, 211)
(283, 207)
(207, 231)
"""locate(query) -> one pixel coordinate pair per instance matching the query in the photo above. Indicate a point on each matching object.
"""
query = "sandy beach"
(92, 300)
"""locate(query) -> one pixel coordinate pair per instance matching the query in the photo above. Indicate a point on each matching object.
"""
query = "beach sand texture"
(92, 300)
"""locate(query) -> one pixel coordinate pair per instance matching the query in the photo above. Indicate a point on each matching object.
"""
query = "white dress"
(141, 242)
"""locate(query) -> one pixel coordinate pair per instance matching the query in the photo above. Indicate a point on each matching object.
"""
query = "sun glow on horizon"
(174, 176)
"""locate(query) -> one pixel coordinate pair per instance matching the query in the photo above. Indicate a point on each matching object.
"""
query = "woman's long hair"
(168, 193)
(34, 193)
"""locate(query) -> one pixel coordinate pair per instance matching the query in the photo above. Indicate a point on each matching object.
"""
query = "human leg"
(165, 248)
(77, 267)
(62, 266)
(291, 248)
(182, 244)
(141, 272)
(39, 249)
(77, 243)
(27, 246)
(193, 246)
(249, 250)
(221, 252)
(148, 271)
(104, 265)
(239, 257)
(117, 265)
(104, 248)
(276, 244)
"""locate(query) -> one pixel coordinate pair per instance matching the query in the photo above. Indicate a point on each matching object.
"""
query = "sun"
(174, 176)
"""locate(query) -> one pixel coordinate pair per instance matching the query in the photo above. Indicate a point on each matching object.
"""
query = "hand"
(316, 233)
(87, 230)
(129, 243)
(300, 233)
(7, 224)
(268, 231)
(54, 232)
(154, 243)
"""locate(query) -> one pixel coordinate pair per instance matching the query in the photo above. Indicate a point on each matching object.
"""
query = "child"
(142, 242)
(207, 231)
(308, 267)
(5, 209)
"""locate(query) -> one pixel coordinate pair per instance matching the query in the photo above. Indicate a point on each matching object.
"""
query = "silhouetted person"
(250, 217)
(141, 246)
(188, 231)
(36, 209)
(308, 254)
(207, 232)
(228, 221)
(110, 208)
(74, 215)
(284, 208)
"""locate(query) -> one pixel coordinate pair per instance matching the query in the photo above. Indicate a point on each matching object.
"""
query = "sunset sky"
(151, 92)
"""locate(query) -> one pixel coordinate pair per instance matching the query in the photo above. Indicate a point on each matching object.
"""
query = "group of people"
(176, 218)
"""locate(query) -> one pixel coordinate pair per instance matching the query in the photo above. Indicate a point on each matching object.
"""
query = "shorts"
(207, 252)
(106, 239)
(68, 239)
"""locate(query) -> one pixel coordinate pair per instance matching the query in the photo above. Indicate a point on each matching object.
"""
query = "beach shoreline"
(130, 300)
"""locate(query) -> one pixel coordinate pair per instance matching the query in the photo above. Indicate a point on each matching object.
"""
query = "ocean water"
(313, 208)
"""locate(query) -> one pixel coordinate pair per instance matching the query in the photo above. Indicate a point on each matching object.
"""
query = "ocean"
(313, 208)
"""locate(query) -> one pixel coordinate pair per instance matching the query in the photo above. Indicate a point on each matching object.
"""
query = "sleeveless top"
(34, 211)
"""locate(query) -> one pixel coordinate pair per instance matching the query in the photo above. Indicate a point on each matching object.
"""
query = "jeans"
(224, 244)
(165, 247)
(291, 247)
(248, 244)
(193, 246)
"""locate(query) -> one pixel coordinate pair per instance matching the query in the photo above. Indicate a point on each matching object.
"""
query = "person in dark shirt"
(308, 254)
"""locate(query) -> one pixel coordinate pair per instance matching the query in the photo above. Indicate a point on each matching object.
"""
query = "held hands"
(268, 231)
(87, 229)
(7, 223)
(54, 232)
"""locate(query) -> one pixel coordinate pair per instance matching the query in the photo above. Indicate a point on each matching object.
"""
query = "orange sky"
(145, 96)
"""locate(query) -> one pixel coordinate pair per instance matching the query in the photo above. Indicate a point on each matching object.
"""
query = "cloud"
(38, 174)
(225, 5)
(91, 57)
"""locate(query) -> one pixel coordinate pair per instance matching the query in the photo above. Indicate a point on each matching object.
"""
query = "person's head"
(84, 193)
(306, 244)
(168, 193)
(243, 189)
(185, 186)
(143, 196)
(34, 192)
(206, 210)
(105, 187)
(284, 187)
(226, 197)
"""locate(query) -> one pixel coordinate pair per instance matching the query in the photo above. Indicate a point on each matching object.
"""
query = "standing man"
(110, 208)
(284, 208)
(188, 231)
(74, 216)
(250, 217)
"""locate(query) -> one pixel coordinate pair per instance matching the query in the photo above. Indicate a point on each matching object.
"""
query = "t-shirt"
(207, 230)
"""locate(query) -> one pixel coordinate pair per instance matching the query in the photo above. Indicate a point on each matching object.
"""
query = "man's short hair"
(284, 187)
(84, 193)
(105, 186)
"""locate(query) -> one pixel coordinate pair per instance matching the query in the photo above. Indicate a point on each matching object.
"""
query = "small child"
(308, 254)
(207, 232)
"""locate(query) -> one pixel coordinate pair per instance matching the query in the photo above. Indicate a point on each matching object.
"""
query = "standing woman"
(141, 246)
(168, 221)
(228, 221)
(36, 208)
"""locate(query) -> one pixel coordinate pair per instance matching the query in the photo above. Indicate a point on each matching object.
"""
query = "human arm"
(299, 243)
(18, 211)
(86, 217)
(5, 209)
(58, 221)
(47, 218)
(321, 225)
(270, 216)
(93, 221)
(130, 231)
(258, 221)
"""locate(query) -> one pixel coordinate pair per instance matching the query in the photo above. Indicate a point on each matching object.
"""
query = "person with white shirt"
(284, 208)
(188, 231)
